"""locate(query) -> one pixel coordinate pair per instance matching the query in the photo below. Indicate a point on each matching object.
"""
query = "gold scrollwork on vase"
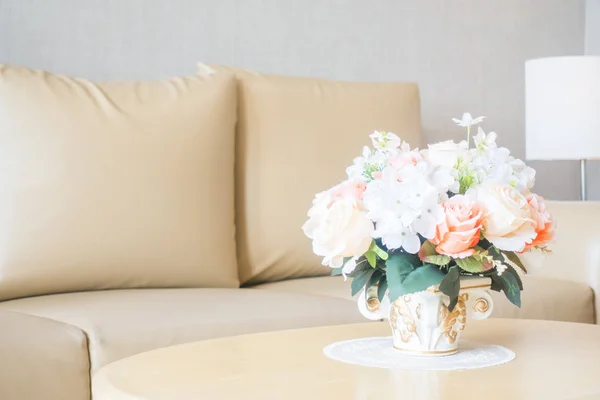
(408, 327)
(373, 304)
(454, 322)
(481, 305)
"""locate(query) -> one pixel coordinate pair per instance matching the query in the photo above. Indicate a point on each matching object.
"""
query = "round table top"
(554, 360)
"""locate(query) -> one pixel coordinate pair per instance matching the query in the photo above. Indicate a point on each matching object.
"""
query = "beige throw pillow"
(115, 185)
(295, 137)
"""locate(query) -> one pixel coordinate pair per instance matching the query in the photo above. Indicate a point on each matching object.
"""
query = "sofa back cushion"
(115, 185)
(295, 137)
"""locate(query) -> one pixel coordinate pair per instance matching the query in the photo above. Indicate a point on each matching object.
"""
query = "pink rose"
(542, 221)
(461, 227)
(348, 189)
(404, 159)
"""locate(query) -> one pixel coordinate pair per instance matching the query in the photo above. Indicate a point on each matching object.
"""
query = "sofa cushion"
(542, 298)
(42, 359)
(576, 250)
(120, 323)
(115, 185)
(295, 137)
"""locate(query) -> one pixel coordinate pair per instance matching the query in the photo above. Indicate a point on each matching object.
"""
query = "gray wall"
(467, 55)
(592, 47)
(592, 27)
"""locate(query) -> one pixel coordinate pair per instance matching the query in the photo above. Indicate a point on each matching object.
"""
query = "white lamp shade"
(562, 103)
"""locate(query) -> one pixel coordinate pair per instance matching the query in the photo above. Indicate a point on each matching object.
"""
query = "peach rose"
(542, 221)
(459, 232)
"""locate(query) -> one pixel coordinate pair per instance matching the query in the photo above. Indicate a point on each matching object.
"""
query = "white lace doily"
(379, 352)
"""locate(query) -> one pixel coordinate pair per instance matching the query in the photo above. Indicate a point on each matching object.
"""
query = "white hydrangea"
(365, 166)
(490, 162)
(404, 203)
(385, 142)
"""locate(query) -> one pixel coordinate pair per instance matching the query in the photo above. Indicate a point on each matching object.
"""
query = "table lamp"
(562, 110)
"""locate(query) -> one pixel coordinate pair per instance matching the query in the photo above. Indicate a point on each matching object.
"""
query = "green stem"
(468, 137)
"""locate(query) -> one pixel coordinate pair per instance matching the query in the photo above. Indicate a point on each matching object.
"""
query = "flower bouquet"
(433, 220)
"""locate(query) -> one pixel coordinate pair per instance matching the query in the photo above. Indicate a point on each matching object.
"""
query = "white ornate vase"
(421, 323)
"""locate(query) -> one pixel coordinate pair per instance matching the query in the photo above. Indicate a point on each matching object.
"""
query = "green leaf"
(382, 288)
(422, 277)
(497, 282)
(403, 281)
(336, 271)
(495, 253)
(471, 264)
(428, 254)
(401, 264)
(405, 274)
(438, 259)
(379, 251)
(398, 266)
(371, 258)
(511, 270)
(374, 278)
(403, 260)
(360, 280)
(514, 258)
(450, 286)
(510, 287)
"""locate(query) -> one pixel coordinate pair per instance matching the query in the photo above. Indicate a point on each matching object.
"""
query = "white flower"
(496, 164)
(338, 224)
(485, 143)
(349, 267)
(391, 198)
(523, 177)
(445, 153)
(385, 141)
(364, 167)
(427, 221)
(404, 203)
(500, 267)
(507, 219)
(444, 180)
(467, 120)
(399, 238)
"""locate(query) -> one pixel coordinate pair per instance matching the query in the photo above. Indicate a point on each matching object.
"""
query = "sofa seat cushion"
(332, 286)
(42, 359)
(120, 323)
(543, 298)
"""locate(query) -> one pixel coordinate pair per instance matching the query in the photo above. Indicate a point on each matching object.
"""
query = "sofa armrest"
(576, 252)
(42, 359)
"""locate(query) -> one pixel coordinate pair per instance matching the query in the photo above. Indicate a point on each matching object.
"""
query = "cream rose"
(507, 221)
(445, 153)
(338, 224)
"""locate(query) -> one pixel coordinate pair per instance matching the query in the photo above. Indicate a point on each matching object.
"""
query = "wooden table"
(555, 360)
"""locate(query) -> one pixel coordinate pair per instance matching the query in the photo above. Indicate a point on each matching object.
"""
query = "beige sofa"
(118, 204)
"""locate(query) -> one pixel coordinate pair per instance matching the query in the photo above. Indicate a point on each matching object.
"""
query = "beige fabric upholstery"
(42, 359)
(115, 185)
(332, 286)
(576, 251)
(295, 137)
(549, 299)
(120, 323)
(543, 298)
